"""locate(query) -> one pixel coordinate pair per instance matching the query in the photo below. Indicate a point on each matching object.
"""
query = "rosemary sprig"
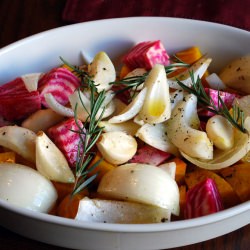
(89, 133)
(196, 88)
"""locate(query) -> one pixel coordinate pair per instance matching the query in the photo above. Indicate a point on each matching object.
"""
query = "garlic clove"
(220, 131)
(117, 147)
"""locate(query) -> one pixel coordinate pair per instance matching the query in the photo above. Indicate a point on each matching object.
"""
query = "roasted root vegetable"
(202, 199)
(25, 187)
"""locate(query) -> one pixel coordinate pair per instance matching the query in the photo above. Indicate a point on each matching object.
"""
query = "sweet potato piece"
(180, 171)
(9, 157)
(238, 176)
(228, 195)
(102, 168)
(183, 194)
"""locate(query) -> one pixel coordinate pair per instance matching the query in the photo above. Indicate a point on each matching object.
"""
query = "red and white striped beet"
(60, 82)
(146, 55)
(16, 102)
(66, 139)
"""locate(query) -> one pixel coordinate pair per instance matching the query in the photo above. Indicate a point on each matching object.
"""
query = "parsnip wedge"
(20, 140)
(50, 161)
(111, 211)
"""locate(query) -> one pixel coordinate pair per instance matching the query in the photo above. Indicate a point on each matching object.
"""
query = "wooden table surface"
(22, 18)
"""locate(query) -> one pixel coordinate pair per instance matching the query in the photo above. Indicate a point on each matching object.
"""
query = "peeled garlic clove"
(155, 136)
(31, 81)
(117, 147)
(180, 131)
(198, 69)
(25, 187)
(20, 140)
(111, 211)
(220, 131)
(50, 161)
(42, 120)
(156, 107)
(141, 183)
(229, 157)
(132, 109)
(102, 71)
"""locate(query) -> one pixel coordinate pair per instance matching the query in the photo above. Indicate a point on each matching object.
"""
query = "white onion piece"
(143, 183)
(132, 109)
(156, 107)
(20, 140)
(155, 136)
(110, 211)
(128, 127)
(198, 69)
(180, 131)
(57, 107)
(50, 161)
(215, 82)
(42, 120)
(25, 187)
(117, 147)
(31, 81)
(102, 71)
(81, 103)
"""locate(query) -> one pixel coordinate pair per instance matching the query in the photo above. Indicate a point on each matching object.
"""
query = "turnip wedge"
(20, 140)
(111, 211)
(226, 158)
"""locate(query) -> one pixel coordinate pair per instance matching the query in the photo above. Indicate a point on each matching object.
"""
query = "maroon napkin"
(230, 12)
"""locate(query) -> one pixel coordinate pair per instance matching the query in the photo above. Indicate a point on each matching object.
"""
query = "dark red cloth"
(230, 12)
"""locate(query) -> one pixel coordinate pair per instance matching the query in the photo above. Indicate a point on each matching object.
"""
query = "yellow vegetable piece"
(238, 176)
(9, 157)
(102, 168)
(228, 195)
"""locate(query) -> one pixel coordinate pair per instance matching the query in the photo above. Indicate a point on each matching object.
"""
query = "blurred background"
(22, 18)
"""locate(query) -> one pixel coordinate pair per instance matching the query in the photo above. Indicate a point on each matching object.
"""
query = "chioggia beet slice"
(60, 82)
(146, 55)
(66, 138)
(203, 199)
